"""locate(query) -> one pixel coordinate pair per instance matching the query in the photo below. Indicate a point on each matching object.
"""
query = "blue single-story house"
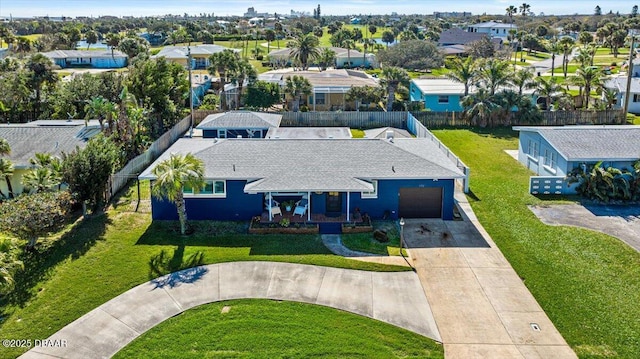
(556, 151)
(393, 178)
(83, 58)
(443, 94)
(235, 124)
(438, 94)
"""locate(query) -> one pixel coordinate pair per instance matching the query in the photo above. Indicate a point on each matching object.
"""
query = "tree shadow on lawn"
(234, 235)
(49, 252)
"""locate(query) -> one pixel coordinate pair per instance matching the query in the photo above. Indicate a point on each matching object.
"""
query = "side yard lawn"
(587, 282)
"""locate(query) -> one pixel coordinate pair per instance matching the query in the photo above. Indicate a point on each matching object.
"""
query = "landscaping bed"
(282, 227)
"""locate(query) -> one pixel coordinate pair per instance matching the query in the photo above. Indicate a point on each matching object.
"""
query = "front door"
(334, 202)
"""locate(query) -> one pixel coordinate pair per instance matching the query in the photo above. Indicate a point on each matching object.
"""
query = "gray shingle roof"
(27, 140)
(457, 36)
(315, 165)
(592, 143)
(180, 52)
(240, 119)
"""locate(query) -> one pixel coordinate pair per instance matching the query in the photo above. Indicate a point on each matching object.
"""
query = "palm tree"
(40, 72)
(327, 58)
(525, 9)
(494, 73)
(243, 71)
(296, 86)
(366, 43)
(480, 107)
(99, 108)
(511, 10)
(463, 71)
(91, 38)
(113, 40)
(172, 175)
(523, 79)
(5, 149)
(547, 88)
(589, 77)
(269, 35)
(6, 171)
(305, 48)
(554, 47)
(40, 179)
(223, 63)
(609, 96)
(566, 44)
(349, 44)
(392, 77)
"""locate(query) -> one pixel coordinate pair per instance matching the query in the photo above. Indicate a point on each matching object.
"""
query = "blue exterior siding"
(389, 197)
(99, 63)
(236, 206)
(234, 133)
(242, 206)
(431, 101)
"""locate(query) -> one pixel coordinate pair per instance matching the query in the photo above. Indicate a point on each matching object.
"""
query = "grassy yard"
(588, 283)
(274, 329)
(110, 253)
(364, 242)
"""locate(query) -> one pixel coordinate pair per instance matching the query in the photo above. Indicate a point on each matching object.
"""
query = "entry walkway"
(105, 330)
(481, 306)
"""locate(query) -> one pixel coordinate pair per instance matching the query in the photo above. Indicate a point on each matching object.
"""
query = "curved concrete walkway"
(334, 243)
(105, 330)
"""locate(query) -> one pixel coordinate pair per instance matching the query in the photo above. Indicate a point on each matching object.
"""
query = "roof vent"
(389, 135)
(330, 136)
(239, 136)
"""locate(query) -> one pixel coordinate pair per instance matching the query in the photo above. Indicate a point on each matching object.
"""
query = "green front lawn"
(274, 329)
(365, 242)
(109, 254)
(587, 282)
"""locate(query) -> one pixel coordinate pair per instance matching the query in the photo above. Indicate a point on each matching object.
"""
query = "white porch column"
(309, 204)
(269, 206)
(348, 206)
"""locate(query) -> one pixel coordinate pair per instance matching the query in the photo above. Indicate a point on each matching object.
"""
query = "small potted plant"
(288, 205)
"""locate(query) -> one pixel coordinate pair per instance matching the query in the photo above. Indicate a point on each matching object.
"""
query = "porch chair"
(275, 207)
(300, 209)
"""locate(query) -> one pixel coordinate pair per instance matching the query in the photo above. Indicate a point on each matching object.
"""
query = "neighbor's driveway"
(622, 222)
(105, 330)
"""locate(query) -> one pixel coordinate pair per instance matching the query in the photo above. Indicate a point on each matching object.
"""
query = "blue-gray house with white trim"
(556, 151)
(233, 124)
(85, 58)
(395, 178)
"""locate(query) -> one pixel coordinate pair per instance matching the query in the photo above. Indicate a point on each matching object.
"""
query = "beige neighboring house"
(54, 137)
(329, 87)
(199, 54)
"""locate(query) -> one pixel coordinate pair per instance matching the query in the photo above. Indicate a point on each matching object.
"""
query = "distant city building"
(251, 13)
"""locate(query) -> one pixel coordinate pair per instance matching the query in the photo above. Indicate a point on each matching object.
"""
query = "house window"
(320, 98)
(550, 158)
(443, 99)
(372, 194)
(636, 97)
(222, 133)
(212, 188)
(533, 149)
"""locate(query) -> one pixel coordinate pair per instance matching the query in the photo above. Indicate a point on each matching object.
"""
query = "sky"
(29, 8)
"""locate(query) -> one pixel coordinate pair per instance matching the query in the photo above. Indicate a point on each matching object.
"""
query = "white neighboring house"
(493, 29)
(619, 84)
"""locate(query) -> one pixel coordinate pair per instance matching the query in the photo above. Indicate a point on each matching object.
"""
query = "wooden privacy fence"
(361, 120)
(547, 118)
(118, 180)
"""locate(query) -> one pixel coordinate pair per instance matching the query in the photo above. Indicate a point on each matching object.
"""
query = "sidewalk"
(481, 306)
(105, 330)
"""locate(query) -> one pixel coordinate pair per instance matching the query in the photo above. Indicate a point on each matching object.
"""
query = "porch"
(315, 218)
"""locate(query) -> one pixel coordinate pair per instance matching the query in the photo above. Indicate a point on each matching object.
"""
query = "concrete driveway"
(622, 222)
(481, 306)
(105, 330)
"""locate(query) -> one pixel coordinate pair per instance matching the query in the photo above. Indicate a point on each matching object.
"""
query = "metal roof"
(592, 143)
(65, 54)
(316, 164)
